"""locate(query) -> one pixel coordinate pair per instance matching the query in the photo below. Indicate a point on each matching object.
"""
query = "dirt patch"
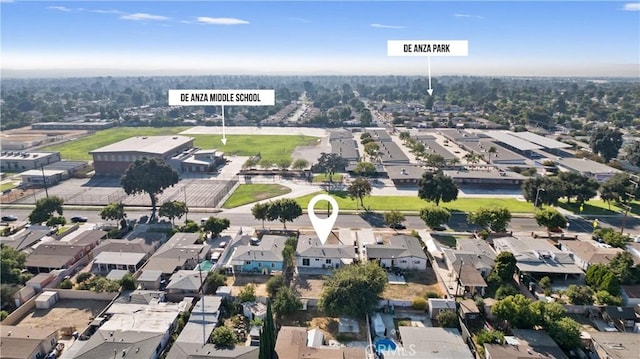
(329, 325)
(65, 313)
(239, 281)
(418, 284)
(309, 286)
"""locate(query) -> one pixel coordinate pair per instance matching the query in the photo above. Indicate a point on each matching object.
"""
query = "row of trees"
(283, 210)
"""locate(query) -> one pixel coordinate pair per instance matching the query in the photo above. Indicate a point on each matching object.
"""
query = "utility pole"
(44, 181)
(631, 196)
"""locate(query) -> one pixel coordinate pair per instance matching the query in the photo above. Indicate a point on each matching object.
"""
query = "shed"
(254, 310)
(315, 338)
(117, 274)
(40, 281)
(149, 279)
(46, 300)
(377, 325)
(437, 305)
(224, 291)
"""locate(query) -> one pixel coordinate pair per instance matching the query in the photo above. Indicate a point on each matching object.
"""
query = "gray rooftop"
(540, 140)
(537, 255)
(390, 152)
(268, 249)
(431, 146)
(526, 343)
(346, 148)
(515, 142)
(122, 258)
(434, 343)
(584, 165)
(404, 172)
(618, 345)
(399, 246)
(502, 154)
(149, 275)
(188, 280)
(312, 247)
(157, 145)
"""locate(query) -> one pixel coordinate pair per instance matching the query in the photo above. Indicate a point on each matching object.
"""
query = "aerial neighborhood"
(496, 218)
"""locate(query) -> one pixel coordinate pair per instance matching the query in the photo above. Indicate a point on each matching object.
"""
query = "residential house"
(630, 294)
(311, 253)
(404, 252)
(470, 313)
(132, 330)
(469, 264)
(437, 306)
(537, 258)
(615, 345)
(181, 251)
(586, 253)
(265, 256)
(254, 310)
(433, 343)
(53, 255)
(129, 261)
(149, 279)
(21, 342)
(292, 344)
(525, 343)
(185, 283)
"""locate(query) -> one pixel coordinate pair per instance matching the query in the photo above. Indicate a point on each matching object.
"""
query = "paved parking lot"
(104, 190)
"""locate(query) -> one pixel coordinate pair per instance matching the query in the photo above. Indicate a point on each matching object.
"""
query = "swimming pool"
(205, 266)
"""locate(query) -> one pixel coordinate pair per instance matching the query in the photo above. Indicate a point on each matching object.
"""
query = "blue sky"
(305, 37)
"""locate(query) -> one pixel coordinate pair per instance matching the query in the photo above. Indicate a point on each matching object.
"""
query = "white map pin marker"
(323, 226)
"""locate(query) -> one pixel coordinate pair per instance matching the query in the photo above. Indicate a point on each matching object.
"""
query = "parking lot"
(104, 190)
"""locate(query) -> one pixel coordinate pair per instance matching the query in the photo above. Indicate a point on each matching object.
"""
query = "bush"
(247, 294)
(604, 297)
(127, 282)
(484, 234)
(3, 314)
(490, 337)
(274, 284)
(545, 285)
(432, 294)
(419, 304)
(215, 280)
(223, 337)
(83, 276)
(447, 319)
(66, 284)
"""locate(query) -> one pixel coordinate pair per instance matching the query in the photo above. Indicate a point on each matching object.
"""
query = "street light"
(535, 203)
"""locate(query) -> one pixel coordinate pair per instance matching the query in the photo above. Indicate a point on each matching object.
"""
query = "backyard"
(313, 319)
(418, 284)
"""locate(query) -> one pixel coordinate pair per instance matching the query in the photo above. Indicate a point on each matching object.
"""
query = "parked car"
(9, 218)
(222, 244)
(78, 219)
(398, 226)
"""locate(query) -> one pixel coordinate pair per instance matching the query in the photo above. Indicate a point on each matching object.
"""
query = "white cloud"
(60, 8)
(107, 11)
(633, 6)
(143, 17)
(220, 20)
(382, 26)
(468, 16)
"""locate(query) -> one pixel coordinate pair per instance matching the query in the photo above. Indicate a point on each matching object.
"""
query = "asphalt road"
(458, 221)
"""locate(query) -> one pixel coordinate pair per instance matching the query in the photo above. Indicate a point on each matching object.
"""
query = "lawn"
(248, 193)
(418, 284)
(270, 147)
(597, 207)
(411, 203)
(7, 186)
(323, 177)
(445, 239)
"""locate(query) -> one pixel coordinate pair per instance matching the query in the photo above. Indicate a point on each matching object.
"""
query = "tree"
(216, 225)
(579, 295)
(151, 176)
(114, 211)
(601, 277)
(437, 187)
(447, 319)
(247, 293)
(300, 164)
(434, 160)
(284, 210)
(605, 298)
(495, 218)
(267, 336)
(330, 162)
(223, 337)
(372, 149)
(189, 227)
(286, 301)
(353, 290)
(577, 185)
(173, 209)
(516, 310)
(56, 221)
(506, 290)
(11, 265)
(393, 217)
(274, 284)
(434, 217)
(550, 217)
(215, 280)
(504, 267)
(45, 207)
(548, 190)
(622, 265)
(127, 282)
(83, 277)
(618, 189)
(606, 142)
(365, 169)
(633, 153)
(358, 189)
(565, 332)
(260, 211)
(489, 337)
(65, 284)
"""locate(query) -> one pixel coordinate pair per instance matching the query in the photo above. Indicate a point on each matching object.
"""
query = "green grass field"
(7, 186)
(323, 177)
(79, 149)
(598, 207)
(249, 193)
(272, 147)
(410, 203)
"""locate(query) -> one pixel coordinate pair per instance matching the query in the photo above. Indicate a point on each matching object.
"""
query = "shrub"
(432, 294)
(223, 337)
(215, 280)
(447, 319)
(274, 284)
(490, 337)
(506, 290)
(247, 294)
(83, 276)
(419, 304)
(65, 284)
(3, 314)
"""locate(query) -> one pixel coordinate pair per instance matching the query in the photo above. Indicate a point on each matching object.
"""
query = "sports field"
(271, 147)
(249, 193)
